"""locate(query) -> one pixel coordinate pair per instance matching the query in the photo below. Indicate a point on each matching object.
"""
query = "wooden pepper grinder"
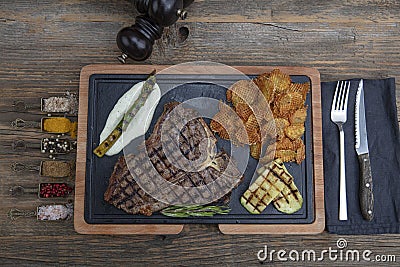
(137, 40)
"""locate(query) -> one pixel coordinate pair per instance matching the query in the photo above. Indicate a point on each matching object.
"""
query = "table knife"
(366, 186)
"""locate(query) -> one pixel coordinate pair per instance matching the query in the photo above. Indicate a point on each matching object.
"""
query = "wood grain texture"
(366, 187)
(46, 43)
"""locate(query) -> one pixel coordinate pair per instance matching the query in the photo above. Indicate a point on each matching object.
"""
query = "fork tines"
(342, 91)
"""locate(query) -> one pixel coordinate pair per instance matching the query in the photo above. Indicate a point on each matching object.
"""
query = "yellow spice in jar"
(74, 130)
(57, 125)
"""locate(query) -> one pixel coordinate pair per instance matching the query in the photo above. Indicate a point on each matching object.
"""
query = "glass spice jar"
(64, 104)
(56, 146)
(48, 212)
(59, 125)
(54, 190)
(57, 169)
(55, 212)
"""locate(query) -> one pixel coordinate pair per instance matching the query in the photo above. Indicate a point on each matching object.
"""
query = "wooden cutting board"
(83, 227)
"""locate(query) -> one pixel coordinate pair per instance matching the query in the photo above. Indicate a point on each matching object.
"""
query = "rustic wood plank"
(294, 11)
(336, 49)
(169, 250)
(216, 11)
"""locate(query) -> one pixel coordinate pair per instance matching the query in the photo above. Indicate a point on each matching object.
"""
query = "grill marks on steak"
(124, 193)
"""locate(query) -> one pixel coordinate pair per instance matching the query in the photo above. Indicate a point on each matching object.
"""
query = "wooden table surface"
(44, 44)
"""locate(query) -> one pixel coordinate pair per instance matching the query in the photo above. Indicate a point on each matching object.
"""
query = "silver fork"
(339, 117)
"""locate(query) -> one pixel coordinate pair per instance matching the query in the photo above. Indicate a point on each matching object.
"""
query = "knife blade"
(366, 185)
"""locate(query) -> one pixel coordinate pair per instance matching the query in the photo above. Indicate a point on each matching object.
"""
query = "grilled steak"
(197, 150)
(124, 193)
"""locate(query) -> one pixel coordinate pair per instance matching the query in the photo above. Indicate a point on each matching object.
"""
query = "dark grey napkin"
(384, 150)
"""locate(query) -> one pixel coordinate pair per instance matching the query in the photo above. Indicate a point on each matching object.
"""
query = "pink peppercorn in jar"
(54, 190)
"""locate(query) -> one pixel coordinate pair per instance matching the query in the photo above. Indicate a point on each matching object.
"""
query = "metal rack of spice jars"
(59, 111)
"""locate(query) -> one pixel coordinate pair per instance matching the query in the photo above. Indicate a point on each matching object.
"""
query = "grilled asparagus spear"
(148, 87)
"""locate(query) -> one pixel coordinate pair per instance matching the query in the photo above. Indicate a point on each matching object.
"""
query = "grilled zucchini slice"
(289, 200)
(276, 184)
(266, 188)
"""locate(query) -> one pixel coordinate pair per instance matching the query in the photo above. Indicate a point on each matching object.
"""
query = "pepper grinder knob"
(137, 41)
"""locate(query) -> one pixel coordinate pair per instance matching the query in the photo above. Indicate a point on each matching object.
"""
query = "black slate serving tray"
(104, 92)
